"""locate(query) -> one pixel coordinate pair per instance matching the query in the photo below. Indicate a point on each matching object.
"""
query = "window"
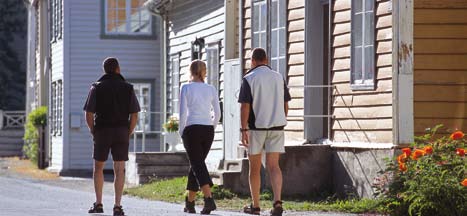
(212, 58)
(127, 17)
(143, 93)
(269, 31)
(363, 40)
(56, 16)
(175, 84)
(57, 108)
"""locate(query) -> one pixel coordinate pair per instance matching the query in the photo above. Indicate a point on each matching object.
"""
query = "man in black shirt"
(111, 115)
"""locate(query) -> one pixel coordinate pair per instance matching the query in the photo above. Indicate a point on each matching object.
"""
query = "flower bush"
(171, 125)
(429, 178)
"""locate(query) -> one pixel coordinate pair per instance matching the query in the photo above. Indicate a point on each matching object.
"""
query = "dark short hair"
(110, 65)
(259, 54)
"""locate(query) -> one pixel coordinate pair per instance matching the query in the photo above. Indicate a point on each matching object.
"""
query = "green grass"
(173, 190)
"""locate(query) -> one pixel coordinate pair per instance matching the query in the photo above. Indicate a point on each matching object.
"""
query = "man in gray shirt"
(264, 100)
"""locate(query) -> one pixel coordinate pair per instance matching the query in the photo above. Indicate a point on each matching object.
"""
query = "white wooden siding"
(57, 73)
(186, 21)
(139, 60)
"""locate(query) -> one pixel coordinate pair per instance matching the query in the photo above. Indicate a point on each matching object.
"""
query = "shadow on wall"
(355, 170)
(185, 13)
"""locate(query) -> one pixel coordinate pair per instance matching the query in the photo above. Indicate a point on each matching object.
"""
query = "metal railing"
(329, 115)
(144, 128)
(12, 119)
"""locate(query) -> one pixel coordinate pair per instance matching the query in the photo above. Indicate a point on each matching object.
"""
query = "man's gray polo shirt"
(266, 91)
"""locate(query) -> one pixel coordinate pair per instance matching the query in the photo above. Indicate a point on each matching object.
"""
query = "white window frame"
(267, 45)
(213, 67)
(56, 20)
(138, 88)
(57, 108)
(368, 64)
(128, 17)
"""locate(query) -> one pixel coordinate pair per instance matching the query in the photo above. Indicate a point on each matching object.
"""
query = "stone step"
(233, 165)
(11, 140)
(160, 158)
(162, 169)
(12, 133)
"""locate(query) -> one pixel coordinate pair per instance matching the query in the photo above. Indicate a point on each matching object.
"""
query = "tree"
(13, 33)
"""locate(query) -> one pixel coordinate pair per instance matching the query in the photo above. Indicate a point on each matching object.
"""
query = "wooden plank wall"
(362, 116)
(296, 55)
(440, 64)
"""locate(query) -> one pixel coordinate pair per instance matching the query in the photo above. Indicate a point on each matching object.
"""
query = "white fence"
(12, 119)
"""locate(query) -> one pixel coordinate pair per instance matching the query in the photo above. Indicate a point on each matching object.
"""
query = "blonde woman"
(197, 125)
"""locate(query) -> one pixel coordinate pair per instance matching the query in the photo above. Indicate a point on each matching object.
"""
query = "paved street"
(21, 195)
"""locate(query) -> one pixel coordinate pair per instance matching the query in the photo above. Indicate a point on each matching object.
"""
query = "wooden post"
(403, 71)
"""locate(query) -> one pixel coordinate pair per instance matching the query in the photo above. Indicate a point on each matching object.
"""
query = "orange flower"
(428, 149)
(464, 183)
(402, 158)
(402, 167)
(457, 135)
(460, 152)
(417, 154)
(407, 151)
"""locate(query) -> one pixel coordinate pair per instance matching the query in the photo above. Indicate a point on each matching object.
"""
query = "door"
(232, 77)
(317, 75)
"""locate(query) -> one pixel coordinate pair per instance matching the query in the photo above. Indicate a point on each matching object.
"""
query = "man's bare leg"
(98, 177)
(275, 173)
(119, 181)
(255, 178)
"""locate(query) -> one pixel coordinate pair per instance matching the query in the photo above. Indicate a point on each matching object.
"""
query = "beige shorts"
(269, 140)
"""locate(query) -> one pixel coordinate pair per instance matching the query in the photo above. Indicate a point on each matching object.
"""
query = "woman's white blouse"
(199, 104)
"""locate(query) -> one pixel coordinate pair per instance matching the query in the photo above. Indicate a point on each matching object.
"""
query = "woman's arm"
(216, 107)
(183, 110)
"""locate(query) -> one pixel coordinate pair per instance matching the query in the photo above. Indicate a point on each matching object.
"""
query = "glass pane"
(256, 40)
(274, 14)
(274, 64)
(274, 43)
(369, 63)
(357, 30)
(111, 15)
(121, 15)
(369, 29)
(111, 3)
(121, 3)
(282, 42)
(263, 40)
(282, 67)
(282, 13)
(263, 14)
(256, 18)
(357, 64)
(369, 4)
(111, 26)
(357, 5)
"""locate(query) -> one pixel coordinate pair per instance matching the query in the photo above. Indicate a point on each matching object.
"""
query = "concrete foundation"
(355, 170)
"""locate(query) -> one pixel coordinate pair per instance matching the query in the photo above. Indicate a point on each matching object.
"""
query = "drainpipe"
(240, 34)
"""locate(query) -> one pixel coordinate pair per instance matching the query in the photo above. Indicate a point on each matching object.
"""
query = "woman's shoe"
(251, 210)
(118, 211)
(96, 208)
(277, 208)
(209, 205)
(189, 206)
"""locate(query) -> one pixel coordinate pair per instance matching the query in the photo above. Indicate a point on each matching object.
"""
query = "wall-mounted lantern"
(197, 48)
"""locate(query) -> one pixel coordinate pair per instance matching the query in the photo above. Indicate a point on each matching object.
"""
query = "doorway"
(317, 75)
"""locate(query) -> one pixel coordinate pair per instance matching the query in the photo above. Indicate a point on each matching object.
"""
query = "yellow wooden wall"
(362, 116)
(440, 64)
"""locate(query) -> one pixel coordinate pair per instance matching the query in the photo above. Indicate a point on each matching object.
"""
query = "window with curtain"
(363, 45)
(143, 93)
(56, 16)
(269, 31)
(127, 17)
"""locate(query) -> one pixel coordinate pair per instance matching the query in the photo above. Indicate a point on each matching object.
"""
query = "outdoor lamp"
(196, 48)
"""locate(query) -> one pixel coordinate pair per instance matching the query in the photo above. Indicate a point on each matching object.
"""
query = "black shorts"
(114, 140)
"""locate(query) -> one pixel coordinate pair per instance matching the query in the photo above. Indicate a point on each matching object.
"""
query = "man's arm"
(286, 108)
(90, 121)
(244, 114)
(133, 121)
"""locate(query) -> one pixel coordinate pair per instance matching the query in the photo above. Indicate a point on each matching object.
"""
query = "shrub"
(36, 118)
(427, 178)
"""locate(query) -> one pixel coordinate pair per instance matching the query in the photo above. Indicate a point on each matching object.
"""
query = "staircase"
(11, 142)
(145, 167)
